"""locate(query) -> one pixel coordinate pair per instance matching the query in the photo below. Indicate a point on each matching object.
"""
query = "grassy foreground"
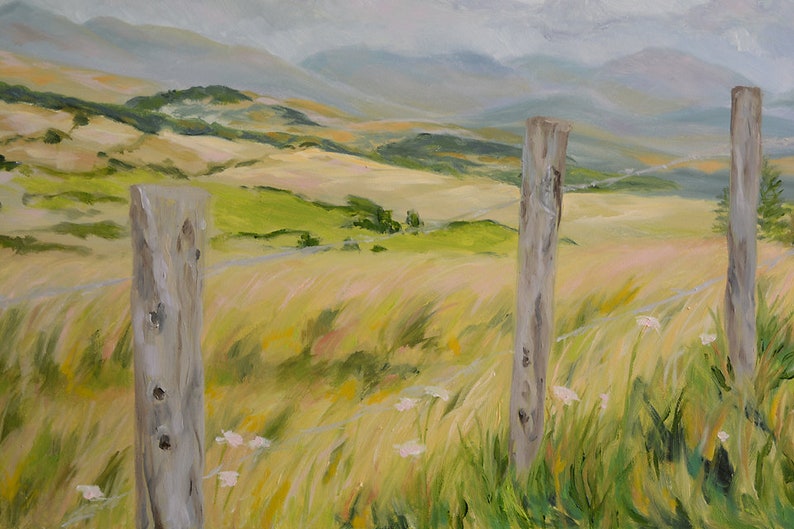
(378, 385)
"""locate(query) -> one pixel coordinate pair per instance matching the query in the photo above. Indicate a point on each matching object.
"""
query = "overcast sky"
(754, 37)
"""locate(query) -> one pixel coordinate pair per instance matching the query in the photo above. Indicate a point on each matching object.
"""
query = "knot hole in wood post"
(187, 236)
(157, 316)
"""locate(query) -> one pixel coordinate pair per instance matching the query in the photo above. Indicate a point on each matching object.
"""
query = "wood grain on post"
(168, 234)
(541, 208)
(746, 160)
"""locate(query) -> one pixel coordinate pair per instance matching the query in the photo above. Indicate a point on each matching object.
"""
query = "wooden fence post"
(168, 234)
(541, 207)
(742, 226)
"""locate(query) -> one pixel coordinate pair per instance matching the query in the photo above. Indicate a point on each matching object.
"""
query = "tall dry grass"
(380, 382)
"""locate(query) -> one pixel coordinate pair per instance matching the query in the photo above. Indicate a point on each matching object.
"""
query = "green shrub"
(351, 245)
(29, 244)
(53, 136)
(80, 119)
(368, 215)
(307, 240)
(106, 229)
(6, 165)
(413, 220)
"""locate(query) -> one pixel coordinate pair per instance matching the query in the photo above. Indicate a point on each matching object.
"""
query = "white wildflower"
(706, 339)
(566, 395)
(259, 442)
(649, 322)
(604, 400)
(406, 404)
(411, 448)
(91, 492)
(234, 439)
(228, 478)
(723, 435)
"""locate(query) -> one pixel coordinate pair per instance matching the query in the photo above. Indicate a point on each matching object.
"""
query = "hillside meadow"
(357, 371)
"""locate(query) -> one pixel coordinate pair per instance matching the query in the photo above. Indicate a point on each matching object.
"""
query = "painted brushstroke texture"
(356, 373)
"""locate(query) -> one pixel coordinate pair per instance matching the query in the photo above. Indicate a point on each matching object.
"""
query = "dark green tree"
(413, 220)
(721, 219)
(371, 216)
(79, 120)
(53, 136)
(772, 210)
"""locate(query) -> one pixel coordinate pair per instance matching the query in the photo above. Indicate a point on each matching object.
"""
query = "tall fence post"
(742, 226)
(168, 234)
(541, 208)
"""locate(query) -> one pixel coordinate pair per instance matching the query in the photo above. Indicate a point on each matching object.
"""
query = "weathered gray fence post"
(168, 234)
(742, 226)
(541, 207)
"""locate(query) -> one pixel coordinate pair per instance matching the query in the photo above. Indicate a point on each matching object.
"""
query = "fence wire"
(217, 268)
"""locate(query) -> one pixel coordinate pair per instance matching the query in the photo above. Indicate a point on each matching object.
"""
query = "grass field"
(366, 384)
(319, 354)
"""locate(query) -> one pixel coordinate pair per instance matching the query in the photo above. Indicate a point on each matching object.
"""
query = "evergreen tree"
(721, 219)
(772, 211)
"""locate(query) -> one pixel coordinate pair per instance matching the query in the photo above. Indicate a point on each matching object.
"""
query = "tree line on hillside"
(140, 114)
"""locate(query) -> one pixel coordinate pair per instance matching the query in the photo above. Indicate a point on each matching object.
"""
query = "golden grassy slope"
(77, 82)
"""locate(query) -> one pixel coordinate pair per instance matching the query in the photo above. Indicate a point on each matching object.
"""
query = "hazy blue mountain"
(672, 75)
(438, 84)
(551, 71)
(651, 99)
(37, 33)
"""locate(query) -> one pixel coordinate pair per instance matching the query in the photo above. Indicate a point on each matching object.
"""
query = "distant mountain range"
(438, 84)
(174, 58)
(651, 94)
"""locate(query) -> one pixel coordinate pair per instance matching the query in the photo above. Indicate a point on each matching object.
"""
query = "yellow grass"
(195, 153)
(653, 159)
(786, 164)
(337, 446)
(706, 166)
(331, 177)
(709, 166)
(78, 82)
(29, 120)
(315, 107)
